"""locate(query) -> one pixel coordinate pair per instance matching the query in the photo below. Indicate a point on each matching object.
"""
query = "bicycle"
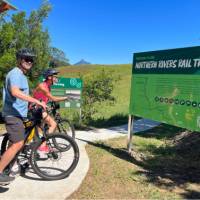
(63, 125)
(58, 163)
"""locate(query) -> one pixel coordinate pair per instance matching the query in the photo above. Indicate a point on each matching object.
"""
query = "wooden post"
(130, 132)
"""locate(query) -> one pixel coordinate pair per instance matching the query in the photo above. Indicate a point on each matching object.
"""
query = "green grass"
(107, 115)
(160, 168)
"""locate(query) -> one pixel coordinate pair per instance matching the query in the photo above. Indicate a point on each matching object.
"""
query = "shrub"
(97, 88)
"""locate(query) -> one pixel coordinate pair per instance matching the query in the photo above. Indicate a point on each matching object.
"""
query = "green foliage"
(107, 114)
(22, 31)
(58, 58)
(97, 89)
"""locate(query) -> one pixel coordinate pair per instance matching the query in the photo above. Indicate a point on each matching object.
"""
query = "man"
(43, 92)
(15, 107)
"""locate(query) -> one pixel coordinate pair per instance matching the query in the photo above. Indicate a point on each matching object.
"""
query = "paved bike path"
(32, 187)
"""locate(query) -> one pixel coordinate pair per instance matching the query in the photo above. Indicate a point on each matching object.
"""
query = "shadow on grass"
(171, 166)
(162, 131)
(191, 194)
(114, 120)
(118, 152)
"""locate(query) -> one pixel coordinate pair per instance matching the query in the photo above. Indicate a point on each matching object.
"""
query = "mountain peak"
(82, 62)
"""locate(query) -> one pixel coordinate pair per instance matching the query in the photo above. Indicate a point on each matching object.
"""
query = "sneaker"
(41, 155)
(42, 151)
(5, 179)
(15, 170)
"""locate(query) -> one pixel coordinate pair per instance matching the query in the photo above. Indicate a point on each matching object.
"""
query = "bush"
(97, 88)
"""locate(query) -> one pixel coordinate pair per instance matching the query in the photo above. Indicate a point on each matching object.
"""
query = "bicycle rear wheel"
(65, 126)
(56, 163)
(4, 144)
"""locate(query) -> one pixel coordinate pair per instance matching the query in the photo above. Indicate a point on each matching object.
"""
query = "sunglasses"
(28, 60)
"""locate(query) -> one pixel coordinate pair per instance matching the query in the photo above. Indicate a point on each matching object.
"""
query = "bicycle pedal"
(24, 167)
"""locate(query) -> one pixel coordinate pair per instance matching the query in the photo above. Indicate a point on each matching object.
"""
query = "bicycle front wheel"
(65, 126)
(55, 164)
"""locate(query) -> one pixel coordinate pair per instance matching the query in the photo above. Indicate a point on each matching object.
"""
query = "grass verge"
(161, 167)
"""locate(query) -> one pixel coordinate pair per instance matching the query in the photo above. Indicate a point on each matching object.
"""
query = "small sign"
(70, 87)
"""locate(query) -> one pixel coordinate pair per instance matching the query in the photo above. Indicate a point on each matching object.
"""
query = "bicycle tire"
(4, 147)
(65, 126)
(4, 144)
(41, 166)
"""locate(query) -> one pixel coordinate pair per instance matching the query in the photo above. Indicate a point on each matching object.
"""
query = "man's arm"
(49, 95)
(16, 92)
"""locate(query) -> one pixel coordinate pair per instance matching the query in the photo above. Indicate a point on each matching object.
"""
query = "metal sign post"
(130, 132)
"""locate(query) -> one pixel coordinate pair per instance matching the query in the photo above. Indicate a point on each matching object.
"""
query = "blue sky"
(110, 31)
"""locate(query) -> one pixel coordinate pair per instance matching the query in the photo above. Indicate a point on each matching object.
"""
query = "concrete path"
(33, 188)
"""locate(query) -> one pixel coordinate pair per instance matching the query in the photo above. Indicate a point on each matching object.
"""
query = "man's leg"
(10, 154)
(15, 129)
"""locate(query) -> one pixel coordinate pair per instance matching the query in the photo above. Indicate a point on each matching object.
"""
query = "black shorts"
(15, 128)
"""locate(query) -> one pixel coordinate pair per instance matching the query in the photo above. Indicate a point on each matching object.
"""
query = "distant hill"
(82, 62)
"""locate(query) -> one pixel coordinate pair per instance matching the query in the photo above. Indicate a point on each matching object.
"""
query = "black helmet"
(50, 72)
(24, 53)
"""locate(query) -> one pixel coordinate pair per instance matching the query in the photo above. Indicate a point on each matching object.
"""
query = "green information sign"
(71, 87)
(165, 86)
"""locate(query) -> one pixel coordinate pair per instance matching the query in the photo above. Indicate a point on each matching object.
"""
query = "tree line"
(19, 31)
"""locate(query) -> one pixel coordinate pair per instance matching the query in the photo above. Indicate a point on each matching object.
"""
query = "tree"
(58, 58)
(97, 88)
(22, 31)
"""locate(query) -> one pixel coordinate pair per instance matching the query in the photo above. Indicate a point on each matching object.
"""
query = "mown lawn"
(163, 166)
(107, 115)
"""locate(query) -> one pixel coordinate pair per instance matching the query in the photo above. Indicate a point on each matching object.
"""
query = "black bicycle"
(60, 160)
(63, 125)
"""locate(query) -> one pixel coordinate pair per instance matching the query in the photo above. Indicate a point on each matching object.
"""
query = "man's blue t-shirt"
(13, 106)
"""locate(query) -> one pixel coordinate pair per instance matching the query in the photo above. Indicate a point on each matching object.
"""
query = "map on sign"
(166, 86)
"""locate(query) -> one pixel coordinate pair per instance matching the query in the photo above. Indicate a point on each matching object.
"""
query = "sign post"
(130, 133)
(165, 87)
